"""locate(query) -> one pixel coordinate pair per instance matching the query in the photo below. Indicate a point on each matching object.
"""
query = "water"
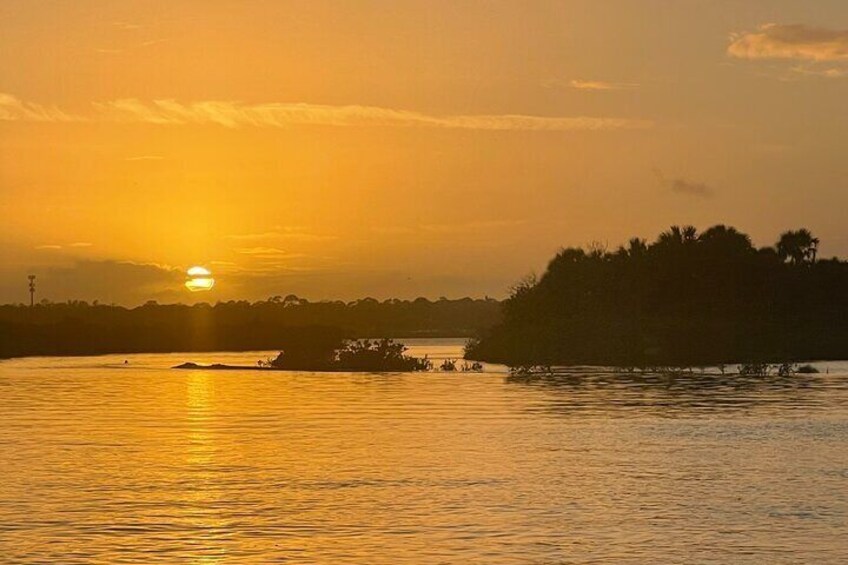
(106, 463)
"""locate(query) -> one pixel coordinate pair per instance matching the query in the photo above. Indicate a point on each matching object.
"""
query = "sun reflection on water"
(204, 500)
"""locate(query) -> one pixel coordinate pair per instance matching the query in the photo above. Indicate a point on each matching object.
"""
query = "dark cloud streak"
(684, 186)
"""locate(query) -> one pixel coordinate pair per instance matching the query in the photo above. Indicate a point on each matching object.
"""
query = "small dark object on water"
(214, 366)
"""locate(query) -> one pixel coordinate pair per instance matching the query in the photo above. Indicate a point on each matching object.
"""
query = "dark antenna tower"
(31, 290)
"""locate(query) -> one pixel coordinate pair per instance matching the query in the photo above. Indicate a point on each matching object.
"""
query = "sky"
(337, 150)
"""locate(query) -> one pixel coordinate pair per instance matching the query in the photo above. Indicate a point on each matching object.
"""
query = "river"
(105, 462)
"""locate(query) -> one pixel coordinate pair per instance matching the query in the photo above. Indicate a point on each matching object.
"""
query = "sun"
(199, 279)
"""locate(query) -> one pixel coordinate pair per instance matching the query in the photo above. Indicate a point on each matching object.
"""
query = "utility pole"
(31, 290)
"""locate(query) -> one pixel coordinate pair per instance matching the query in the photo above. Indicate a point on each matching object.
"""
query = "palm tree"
(798, 246)
(678, 236)
(726, 241)
(637, 247)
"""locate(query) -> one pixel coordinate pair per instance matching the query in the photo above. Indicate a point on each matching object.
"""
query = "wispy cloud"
(393, 230)
(684, 186)
(600, 85)
(454, 228)
(472, 227)
(253, 236)
(225, 266)
(269, 260)
(13, 109)
(681, 185)
(268, 253)
(56, 246)
(150, 42)
(793, 41)
(237, 115)
(131, 39)
(814, 71)
(283, 233)
(127, 25)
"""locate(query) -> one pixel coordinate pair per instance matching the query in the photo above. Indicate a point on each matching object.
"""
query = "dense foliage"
(685, 299)
(78, 328)
(328, 354)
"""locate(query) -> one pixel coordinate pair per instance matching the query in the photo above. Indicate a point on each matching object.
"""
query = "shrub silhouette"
(329, 354)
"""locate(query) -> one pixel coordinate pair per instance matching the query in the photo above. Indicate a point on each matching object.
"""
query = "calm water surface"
(106, 463)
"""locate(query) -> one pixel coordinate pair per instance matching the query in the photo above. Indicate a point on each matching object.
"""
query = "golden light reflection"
(204, 495)
(199, 413)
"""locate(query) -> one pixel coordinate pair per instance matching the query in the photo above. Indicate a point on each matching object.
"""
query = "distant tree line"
(686, 299)
(79, 328)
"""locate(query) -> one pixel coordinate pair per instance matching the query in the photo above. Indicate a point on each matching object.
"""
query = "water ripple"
(106, 463)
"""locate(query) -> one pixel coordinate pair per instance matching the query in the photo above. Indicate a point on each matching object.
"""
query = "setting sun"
(199, 279)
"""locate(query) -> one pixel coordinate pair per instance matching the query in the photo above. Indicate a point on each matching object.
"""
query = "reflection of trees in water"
(668, 393)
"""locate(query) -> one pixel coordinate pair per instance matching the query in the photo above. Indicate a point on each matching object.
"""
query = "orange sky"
(347, 149)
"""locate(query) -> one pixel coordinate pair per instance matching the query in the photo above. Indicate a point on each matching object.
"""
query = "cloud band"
(279, 115)
(796, 41)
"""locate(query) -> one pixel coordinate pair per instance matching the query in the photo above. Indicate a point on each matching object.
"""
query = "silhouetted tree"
(798, 246)
(684, 299)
